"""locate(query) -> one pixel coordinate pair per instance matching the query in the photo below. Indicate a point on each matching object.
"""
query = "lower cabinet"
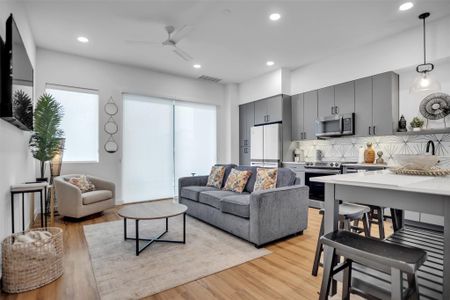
(244, 156)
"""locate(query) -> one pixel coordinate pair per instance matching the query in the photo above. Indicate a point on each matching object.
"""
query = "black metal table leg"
(184, 228)
(42, 208)
(137, 237)
(23, 211)
(12, 212)
(125, 229)
(45, 206)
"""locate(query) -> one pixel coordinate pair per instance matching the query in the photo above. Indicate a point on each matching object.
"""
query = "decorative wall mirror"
(111, 126)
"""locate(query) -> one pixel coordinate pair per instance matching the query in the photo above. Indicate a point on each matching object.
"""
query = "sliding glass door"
(162, 141)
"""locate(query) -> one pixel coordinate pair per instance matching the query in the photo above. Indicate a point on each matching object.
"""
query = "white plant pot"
(416, 128)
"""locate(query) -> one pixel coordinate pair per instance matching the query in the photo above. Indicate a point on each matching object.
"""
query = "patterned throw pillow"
(216, 176)
(237, 180)
(265, 179)
(83, 183)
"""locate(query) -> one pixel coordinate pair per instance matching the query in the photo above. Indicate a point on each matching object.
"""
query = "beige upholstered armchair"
(72, 203)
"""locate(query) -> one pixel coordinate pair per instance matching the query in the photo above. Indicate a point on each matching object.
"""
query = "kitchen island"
(414, 193)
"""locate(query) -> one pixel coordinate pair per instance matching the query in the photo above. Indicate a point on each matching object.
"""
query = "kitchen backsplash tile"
(346, 148)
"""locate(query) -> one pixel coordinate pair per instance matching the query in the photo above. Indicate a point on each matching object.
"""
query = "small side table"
(27, 188)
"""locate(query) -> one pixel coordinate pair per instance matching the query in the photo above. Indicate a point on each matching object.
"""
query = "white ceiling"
(232, 40)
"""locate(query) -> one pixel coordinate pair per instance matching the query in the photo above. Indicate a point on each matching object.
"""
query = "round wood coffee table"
(152, 211)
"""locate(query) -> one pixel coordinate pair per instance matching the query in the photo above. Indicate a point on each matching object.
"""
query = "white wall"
(113, 80)
(264, 86)
(396, 52)
(16, 163)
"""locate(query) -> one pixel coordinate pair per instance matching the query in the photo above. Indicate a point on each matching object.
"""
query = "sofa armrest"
(68, 195)
(277, 213)
(191, 181)
(101, 184)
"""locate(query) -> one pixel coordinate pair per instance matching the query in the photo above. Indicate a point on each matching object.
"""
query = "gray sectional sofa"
(258, 217)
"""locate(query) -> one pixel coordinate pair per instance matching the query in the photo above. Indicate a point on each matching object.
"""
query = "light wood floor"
(283, 274)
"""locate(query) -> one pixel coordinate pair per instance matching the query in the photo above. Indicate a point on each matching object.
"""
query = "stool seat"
(351, 211)
(377, 252)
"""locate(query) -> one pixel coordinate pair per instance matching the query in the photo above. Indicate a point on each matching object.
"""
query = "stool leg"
(381, 222)
(347, 281)
(366, 225)
(396, 284)
(413, 287)
(327, 277)
(319, 249)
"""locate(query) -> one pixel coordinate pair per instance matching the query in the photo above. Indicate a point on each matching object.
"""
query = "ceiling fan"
(174, 36)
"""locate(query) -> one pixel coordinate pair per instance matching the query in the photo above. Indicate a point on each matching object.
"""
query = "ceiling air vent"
(209, 78)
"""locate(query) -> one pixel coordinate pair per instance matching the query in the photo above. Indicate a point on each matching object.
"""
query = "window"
(80, 122)
(162, 141)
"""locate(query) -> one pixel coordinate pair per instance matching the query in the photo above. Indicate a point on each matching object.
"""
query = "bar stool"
(348, 212)
(390, 258)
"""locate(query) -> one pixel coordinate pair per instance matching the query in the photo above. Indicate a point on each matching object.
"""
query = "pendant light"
(424, 82)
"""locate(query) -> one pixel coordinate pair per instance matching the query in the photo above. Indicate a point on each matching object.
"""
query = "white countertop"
(385, 179)
(364, 165)
(294, 162)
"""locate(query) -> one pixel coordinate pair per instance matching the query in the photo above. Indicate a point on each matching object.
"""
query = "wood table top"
(149, 210)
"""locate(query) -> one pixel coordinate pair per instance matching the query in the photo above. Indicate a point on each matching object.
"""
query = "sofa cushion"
(238, 205)
(95, 196)
(213, 198)
(82, 183)
(192, 192)
(237, 181)
(215, 178)
(228, 168)
(266, 178)
(285, 177)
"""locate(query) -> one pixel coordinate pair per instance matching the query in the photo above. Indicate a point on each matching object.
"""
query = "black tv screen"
(16, 104)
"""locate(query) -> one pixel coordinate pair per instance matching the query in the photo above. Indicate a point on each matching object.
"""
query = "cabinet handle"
(374, 132)
(268, 118)
(304, 135)
(370, 130)
(336, 109)
(332, 110)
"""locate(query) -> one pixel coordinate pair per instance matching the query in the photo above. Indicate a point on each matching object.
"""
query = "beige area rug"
(120, 274)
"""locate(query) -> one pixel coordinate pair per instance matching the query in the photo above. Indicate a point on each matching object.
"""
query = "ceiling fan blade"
(142, 42)
(181, 33)
(183, 54)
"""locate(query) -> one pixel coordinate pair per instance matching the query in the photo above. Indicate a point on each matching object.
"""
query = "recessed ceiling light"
(82, 39)
(275, 16)
(406, 6)
(197, 66)
(270, 63)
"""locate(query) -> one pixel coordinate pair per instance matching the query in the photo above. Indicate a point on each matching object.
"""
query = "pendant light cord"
(424, 43)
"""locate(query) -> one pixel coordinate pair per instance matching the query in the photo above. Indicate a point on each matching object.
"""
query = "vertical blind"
(162, 141)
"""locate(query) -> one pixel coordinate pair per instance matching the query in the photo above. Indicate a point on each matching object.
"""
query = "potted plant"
(46, 138)
(417, 123)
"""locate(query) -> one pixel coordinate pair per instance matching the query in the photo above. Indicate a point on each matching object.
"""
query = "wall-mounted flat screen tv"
(16, 104)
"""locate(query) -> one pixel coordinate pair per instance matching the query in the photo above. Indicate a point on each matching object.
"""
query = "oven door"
(317, 189)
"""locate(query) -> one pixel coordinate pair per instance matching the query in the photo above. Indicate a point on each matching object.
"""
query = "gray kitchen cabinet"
(326, 102)
(310, 114)
(385, 103)
(246, 122)
(344, 98)
(297, 117)
(363, 106)
(376, 105)
(269, 110)
(244, 156)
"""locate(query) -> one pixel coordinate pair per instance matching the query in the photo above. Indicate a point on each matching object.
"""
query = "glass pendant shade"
(424, 83)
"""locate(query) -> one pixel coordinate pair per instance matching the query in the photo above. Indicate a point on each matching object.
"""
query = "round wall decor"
(435, 106)
(111, 126)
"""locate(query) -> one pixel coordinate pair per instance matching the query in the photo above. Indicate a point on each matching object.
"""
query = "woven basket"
(28, 266)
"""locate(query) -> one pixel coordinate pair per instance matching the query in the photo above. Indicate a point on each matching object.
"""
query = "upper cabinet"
(304, 115)
(376, 104)
(326, 101)
(269, 110)
(246, 122)
(344, 98)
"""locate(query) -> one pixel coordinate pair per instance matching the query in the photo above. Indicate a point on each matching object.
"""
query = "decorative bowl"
(416, 161)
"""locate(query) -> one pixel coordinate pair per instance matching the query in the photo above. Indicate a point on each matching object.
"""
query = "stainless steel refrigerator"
(266, 145)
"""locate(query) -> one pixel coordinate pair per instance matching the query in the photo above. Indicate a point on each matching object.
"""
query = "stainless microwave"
(335, 125)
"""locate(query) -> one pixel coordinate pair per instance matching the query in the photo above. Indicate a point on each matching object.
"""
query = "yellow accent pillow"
(265, 179)
(215, 178)
(237, 180)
